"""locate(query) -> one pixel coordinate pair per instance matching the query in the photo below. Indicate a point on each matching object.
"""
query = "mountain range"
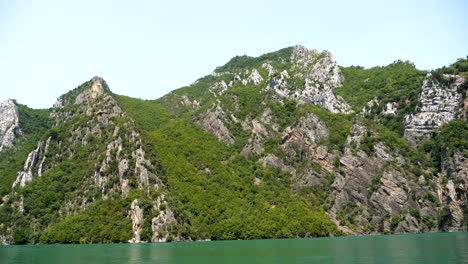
(288, 144)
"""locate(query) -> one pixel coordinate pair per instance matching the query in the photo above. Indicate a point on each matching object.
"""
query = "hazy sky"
(145, 49)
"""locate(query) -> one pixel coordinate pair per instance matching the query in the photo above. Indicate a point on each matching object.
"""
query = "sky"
(145, 49)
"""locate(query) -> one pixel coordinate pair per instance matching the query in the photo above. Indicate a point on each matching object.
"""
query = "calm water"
(421, 248)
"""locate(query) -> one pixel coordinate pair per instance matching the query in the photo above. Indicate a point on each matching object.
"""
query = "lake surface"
(420, 248)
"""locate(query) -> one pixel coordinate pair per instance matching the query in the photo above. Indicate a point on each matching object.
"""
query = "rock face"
(439, 104)
(322, 75)
(136, 214)
(91, 94)
(9, 124)
(33, 166)
(369, 193)
(318, 66)
(376, 193)
(259, 132)
(311, 80)
(455, 192)
(254, 78)
(163, 222)
(214, 121)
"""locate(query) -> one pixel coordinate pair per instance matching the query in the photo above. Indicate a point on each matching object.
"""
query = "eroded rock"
(438, 105)
(9, 124)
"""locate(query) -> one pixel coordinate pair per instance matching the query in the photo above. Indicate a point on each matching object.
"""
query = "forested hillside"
(288, 144)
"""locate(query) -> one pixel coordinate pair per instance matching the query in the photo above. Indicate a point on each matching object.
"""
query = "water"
(421, 248)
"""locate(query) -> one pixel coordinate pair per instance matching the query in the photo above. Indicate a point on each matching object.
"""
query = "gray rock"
(91, 94)
(271, 160)
(308, 130)
(393, 193)
(455, 193)
(254, 78)
(367, 109)
(9, 124)
(408, 225)
(161, 224)
(269, 68)
(321, 75)
(26, 175)
(390, 108)
(136, 215)
(438, 106)
(213, 121)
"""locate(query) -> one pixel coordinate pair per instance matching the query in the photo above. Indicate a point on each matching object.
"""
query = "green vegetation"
(453, 137)
(215, 192)
(458, 67)
(244, 62)
(45, 196)
(399, 82)
(104, 221)
(146, 113)
(248, 99)
(394, 141)
(338, 125)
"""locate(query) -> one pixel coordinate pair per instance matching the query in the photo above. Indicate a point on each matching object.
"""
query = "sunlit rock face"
(438, 105)
(9, 124)
(319, 73)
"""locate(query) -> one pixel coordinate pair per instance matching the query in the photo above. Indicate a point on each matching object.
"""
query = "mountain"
(288, 144)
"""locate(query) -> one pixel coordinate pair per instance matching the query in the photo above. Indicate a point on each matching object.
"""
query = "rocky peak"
(9, 123)
(318, 66)
(320, 74)
(93, 92)
(303, 56)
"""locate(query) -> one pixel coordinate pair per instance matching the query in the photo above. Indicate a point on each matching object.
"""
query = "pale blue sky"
(145, 49)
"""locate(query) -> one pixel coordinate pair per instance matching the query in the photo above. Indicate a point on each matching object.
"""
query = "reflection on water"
(422, 248)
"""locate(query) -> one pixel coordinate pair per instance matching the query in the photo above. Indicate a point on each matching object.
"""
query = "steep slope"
(448, 139)
(28, 127)
(366, 177)
(92, 159)
(9, 124)
(439, 104)
(287, 144)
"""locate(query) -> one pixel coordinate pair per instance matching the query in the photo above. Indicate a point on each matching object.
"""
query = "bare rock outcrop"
(320, 74)
(376, 192)
(93, 93)
(161, 224)
(455, 192)
(439, 104)
(9, 124)
(33, 166)
(254, 78)
(136, 215)
(213, 121)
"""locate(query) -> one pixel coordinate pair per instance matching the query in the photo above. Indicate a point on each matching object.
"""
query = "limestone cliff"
(438, 104)
(9, 124)
(454, 192)
(319, 73)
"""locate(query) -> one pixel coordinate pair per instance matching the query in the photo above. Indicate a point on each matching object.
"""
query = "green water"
(421, 248)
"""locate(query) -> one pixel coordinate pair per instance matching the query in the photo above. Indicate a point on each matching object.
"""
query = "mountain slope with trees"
(288, 144)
